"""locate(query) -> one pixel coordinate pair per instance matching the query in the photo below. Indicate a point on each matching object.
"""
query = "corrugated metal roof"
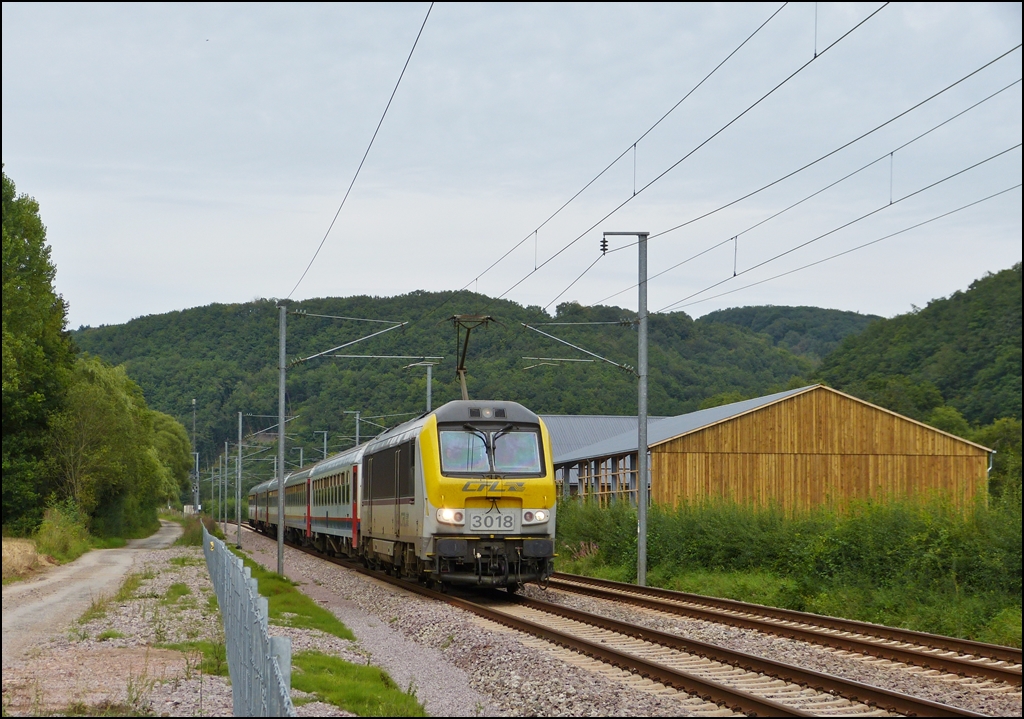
(667, 428)
(569, 432)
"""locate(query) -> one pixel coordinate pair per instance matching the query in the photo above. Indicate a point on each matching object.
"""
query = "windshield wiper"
(481, 434)
(503, 431)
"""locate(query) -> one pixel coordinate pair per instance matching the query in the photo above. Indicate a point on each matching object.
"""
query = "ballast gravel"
(985, 697)
(457, 664)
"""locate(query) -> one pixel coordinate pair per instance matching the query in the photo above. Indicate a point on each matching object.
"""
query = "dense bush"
(63, 533)
(929, 566)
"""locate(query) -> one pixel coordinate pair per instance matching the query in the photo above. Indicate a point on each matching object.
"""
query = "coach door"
(396, 515)
(368, 496)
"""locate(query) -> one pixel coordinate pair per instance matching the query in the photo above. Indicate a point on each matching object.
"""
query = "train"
(461, 495)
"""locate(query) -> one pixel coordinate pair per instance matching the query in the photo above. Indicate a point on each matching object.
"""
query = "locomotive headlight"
(451, 516)
(536, 516)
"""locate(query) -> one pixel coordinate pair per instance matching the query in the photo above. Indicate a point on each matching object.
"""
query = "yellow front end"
(487, 530)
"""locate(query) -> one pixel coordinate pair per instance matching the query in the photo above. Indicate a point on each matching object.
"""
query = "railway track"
(740, 682)
(943, 654)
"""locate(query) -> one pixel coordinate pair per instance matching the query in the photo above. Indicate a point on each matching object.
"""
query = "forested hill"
(963, 351)
(810, 332)
(225, 356)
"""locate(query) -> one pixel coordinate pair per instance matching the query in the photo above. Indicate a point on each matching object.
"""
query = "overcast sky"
(188, 154)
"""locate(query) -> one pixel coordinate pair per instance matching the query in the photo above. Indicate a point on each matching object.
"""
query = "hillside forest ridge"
(956, 360)
(95, 439)
(956, 364)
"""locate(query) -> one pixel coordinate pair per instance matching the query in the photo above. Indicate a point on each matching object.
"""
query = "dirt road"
(38, 608)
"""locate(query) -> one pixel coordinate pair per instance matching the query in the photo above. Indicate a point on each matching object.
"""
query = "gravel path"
(461, 665)
(109, 665)
(986, 697)
(50, 601)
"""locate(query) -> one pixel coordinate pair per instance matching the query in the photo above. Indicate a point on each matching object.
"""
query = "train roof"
(338, 461)
(459, 410)
(462, 410)
(322, 468)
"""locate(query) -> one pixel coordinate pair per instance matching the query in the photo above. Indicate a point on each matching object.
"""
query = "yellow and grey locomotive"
(464, 494)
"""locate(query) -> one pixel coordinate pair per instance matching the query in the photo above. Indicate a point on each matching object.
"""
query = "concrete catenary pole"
(641, 427)
(195, 472)
(282, 308)
(238, 485)
(225, 483)
(641, 424)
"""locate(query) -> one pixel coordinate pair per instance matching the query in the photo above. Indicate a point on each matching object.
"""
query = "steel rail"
(723, 613)
(705, 689)
(848, 689)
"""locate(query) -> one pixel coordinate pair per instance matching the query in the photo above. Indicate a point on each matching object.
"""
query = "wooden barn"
(796, 449)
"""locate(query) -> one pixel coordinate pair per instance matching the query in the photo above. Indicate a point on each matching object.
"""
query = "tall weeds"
(63, 533)
(922, 564)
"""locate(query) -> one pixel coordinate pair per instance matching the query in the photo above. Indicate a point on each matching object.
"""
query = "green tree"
(963, 351)
(112, 455)
(37, 357)
(174, 452)
(948, 419)
(1004, 436)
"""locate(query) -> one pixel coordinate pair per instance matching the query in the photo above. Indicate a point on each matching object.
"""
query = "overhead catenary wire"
(630, 148)
(569, 287)
(845, 225)
(832, 152)
(365, 154)
(689, 154)
(578, 324)
(852, 249)
(830, 185)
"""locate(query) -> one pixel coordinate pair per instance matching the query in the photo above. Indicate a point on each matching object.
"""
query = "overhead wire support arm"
(625, 367)
(412, 357)
(347, 344)
(304, 313)
(625, 322)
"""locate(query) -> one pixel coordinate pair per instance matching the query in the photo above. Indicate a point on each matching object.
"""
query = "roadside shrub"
(192, 536)
(63, 534)
(212, 527)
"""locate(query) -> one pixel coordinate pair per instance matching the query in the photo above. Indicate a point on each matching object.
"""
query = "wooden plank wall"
(818, 447)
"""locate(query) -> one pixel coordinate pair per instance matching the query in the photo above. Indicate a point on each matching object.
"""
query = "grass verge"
(99, 605)
(291, 608)
(362, 690)
(20, 559)
(192, 526)
(202, 655)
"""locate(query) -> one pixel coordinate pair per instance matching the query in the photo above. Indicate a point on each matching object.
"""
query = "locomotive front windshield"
(504, 451)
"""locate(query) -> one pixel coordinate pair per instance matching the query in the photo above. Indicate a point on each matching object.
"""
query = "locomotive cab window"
(517, 452)
(463, 451)
(480, 450)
